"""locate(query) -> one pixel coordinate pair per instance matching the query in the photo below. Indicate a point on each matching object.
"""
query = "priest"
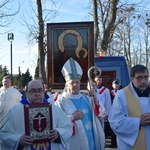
(130, 114)
(83, 111)
(13, 133)
(9, 96)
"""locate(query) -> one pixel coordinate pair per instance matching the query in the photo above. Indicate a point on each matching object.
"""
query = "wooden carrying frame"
(38, 121)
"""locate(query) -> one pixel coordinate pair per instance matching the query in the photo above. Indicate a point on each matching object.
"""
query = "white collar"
(66, 94)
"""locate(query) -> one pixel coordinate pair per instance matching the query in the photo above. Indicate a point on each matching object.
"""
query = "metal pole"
(10, 38)
(124, 47)
(0, 143)
(11, 61)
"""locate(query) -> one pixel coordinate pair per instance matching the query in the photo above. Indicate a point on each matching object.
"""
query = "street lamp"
(11, 38)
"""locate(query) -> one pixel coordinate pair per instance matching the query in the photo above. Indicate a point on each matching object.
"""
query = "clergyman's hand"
(145, 119)
(54, 136)
(78, 115)
(25, 140)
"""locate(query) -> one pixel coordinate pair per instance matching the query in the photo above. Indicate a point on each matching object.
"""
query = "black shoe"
(112, 146)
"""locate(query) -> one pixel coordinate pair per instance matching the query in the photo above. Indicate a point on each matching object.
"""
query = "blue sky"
(24, 56)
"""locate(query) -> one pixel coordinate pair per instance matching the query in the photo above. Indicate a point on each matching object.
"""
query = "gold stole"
(134, 110)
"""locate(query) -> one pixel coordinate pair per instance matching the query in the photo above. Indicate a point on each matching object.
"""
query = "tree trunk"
(41, 53)
(108, 32)
(96, 28)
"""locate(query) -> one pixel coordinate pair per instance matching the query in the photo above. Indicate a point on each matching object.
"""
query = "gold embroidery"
(43, 145)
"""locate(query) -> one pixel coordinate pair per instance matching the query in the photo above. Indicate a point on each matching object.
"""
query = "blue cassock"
(37, 146)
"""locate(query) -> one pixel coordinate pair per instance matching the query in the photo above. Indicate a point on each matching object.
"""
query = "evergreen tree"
(22, 79)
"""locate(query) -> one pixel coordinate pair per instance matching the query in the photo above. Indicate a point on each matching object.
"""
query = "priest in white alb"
(83, 111)
(130, 114)
(13, 133)
(9, 96)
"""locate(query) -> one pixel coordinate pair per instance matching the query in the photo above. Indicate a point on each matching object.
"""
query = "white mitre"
(71, 70)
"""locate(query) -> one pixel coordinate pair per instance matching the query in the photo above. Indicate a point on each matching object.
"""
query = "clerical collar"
(100, 86)
(140, 93)
(115, 90)
(66, 94)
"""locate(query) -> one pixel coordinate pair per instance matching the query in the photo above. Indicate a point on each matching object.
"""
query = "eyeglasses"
(35, 91)
(140, 78)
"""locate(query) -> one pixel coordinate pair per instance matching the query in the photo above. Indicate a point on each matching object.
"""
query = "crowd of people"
(79, 121)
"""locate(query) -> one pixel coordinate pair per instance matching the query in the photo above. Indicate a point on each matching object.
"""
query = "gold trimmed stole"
(134, 110)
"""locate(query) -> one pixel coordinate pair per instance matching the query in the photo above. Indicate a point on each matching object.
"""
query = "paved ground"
(110, 148)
